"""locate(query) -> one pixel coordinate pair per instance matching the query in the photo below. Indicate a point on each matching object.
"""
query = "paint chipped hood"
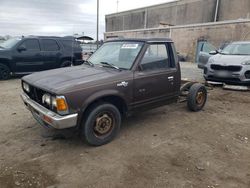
(65, 79)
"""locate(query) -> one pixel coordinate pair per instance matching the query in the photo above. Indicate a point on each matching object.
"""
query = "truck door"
(27, 57)
(154, 82)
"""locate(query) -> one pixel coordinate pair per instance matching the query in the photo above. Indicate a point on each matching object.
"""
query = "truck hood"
(59, 80)
(229, 59)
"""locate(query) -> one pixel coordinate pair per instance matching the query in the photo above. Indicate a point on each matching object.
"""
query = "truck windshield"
(237, 49)
(118, 54)
(10, 43)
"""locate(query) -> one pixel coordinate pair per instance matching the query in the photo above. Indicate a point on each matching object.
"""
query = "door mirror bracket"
(214, 52)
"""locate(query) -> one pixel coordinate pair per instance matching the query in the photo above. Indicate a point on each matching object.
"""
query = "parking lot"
(165, 147)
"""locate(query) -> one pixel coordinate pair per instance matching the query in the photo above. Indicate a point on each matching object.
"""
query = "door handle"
(170, 78)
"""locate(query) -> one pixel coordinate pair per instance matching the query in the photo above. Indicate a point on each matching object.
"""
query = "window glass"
(31, 44)
(10, 43)
(156, 57)
(120, 54)
(207, 47)
(49, 45)
(237, 49)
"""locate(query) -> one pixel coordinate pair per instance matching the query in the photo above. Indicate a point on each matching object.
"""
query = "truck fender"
(95, 97)
(101, 94)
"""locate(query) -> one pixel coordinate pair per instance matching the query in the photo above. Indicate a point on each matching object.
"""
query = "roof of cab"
(149, 40)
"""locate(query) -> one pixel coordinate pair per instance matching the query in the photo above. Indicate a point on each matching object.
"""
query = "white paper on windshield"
(129, 46)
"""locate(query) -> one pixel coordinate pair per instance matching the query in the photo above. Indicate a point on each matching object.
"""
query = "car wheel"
(65, 64)
(197, 97)
(102, 124)
(4, 72)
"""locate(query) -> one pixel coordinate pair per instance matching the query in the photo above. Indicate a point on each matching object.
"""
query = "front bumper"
(48, 118)
(229, 78)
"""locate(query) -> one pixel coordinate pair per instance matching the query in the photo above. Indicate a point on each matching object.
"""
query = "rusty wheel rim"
(104, 124)
(200, 98)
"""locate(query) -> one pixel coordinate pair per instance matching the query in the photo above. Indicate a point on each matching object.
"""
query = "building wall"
(180, 12)
(234, 9)
(186, 37)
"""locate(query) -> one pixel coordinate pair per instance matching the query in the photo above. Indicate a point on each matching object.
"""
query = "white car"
(230, 65)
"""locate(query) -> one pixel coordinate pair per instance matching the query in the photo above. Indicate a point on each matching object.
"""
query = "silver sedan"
(231, 65)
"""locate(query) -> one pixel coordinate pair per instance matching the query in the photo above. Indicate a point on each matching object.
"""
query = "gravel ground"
(164, 147)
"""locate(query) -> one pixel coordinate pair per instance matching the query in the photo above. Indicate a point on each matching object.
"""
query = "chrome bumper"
(48, 118)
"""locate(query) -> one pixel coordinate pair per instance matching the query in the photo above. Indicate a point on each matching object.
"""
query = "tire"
(197, 97)
(4, 72)
(65, 64)
(102, 124)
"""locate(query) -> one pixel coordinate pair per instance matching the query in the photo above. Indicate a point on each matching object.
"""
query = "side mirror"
(213, 52)
(21, 48)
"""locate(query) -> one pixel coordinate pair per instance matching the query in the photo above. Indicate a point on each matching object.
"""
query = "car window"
(207, 47)
(49, 45)
(237, 49)
(31, 44)
(156, 57)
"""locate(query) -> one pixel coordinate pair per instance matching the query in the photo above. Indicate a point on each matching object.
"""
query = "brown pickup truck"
(120, 78)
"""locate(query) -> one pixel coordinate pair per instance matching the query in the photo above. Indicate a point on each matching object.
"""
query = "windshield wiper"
(1, 47)
(110, 65)
(89, 63)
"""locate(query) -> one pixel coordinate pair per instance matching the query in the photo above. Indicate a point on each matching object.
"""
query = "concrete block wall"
(186, 37)
(234, 9)
(180, 12)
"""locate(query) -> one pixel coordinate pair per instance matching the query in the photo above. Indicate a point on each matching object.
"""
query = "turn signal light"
(61, 104)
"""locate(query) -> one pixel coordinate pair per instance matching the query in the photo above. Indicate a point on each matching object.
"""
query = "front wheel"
(197, 97)
(4, 72)
(102, 124)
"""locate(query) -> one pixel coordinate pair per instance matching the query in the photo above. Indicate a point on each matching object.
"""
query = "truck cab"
(122, 77)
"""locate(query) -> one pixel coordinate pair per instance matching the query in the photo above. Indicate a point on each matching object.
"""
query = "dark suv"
(31, 54)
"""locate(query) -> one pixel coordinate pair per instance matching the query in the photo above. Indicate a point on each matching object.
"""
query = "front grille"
(36, 94)
(247, 74)
(224, 79)
(233, 68)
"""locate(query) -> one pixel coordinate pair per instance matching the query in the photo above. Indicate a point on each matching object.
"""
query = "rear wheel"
(197, 97)
(66, 64)
(4, 72)
(102, 124)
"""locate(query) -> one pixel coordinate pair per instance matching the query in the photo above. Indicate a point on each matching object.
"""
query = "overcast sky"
(60, 17)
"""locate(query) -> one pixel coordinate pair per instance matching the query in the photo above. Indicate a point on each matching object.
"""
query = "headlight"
(46, 99)
(26, 87)
(58, 103)
(246, 63)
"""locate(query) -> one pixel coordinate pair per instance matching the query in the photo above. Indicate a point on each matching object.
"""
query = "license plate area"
(223, 74)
